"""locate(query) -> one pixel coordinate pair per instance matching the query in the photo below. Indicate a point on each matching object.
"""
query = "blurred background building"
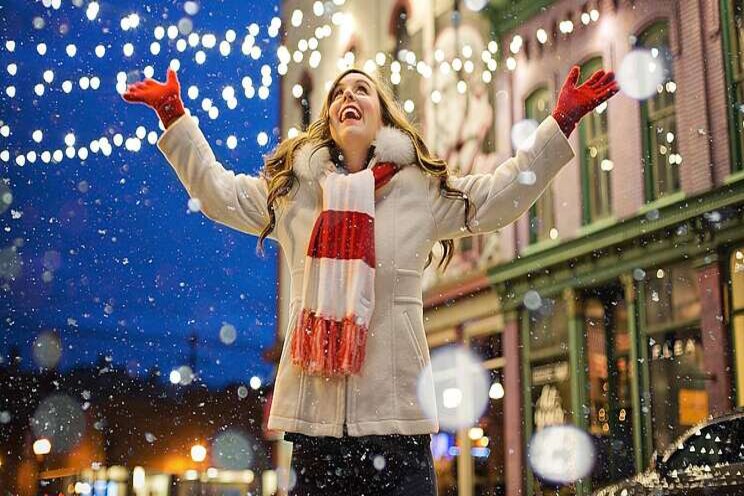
(617, 302)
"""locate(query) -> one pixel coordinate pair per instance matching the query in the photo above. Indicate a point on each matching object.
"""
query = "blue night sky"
(104, 250)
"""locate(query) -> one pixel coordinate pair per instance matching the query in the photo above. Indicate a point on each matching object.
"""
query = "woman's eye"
(363, 89)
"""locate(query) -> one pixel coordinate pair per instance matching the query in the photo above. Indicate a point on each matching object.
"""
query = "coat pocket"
(412, 338)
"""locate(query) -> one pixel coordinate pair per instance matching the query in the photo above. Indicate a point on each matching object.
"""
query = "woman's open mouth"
(350, 112)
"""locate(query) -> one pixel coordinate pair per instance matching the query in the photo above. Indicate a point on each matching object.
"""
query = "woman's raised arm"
(235, 200)
(501, 196)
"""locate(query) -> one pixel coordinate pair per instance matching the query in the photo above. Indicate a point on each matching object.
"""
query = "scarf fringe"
(327, 347)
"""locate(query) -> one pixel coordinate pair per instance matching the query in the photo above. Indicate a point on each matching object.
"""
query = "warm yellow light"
(475, 433)
(138, 479)
(42, 446)
(198, 453)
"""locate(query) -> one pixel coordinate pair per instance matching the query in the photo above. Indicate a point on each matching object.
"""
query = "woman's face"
(355, 115)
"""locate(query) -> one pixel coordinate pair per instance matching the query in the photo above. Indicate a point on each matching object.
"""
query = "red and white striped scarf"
(338, 286)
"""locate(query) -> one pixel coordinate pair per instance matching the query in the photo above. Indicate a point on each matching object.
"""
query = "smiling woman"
(355, 118)
(353, 201)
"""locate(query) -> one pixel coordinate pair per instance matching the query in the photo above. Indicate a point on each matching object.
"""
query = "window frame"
(652, 118)
(735, 126)
(545, 204)
(590, 212)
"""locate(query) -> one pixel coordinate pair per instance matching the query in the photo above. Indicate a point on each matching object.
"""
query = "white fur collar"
(391, 145)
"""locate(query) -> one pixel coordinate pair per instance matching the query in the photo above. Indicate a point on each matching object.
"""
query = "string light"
(286, 56)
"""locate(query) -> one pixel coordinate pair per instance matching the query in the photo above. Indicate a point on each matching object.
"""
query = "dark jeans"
(387, 465)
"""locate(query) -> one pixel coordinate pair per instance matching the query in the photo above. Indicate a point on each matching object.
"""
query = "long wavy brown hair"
(280, 177)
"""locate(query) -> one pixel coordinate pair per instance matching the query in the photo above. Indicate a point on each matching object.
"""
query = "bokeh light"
(561, 454)
(233, 450)
(523, 134)
(460, 384)
(60, 419)
(640, 74)
(47, 350)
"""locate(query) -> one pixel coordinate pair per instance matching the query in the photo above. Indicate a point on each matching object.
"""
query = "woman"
(357, 203)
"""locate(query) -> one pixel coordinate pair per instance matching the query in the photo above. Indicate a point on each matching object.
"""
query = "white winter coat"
(410, 217)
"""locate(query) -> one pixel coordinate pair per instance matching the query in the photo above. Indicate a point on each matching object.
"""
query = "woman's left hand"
(574, 102)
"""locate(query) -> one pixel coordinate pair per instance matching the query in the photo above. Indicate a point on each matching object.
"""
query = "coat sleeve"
(235, 200)
(501, 196)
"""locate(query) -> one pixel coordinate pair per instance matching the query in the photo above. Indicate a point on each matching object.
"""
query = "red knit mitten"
(574, 102)
(164, 98)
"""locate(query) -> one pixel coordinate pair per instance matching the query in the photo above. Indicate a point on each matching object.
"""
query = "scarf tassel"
(328, 347)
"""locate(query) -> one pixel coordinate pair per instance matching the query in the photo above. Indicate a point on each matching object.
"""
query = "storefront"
(472, 461)
(632, 346)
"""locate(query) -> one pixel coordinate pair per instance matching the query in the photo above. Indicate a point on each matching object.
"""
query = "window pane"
(672, 295)
(549, 328)
(542, 217)
(610, 406)
(678, 396)
(488, 451)
(595, 157)
(736, 58)
(658, 113)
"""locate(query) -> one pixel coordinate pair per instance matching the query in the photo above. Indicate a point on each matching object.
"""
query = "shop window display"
(605, 319)
(678, 395)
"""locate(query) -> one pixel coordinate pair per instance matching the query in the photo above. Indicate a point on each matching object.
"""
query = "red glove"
(574, 102)
(164, 98)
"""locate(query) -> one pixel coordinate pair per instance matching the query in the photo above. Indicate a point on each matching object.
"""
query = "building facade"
(616, 303)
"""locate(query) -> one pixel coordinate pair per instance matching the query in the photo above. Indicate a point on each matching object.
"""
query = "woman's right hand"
(164, 98)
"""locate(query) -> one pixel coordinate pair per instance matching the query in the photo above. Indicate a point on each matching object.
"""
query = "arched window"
(733, 22)
(542, 214)
(658, 120)
(596, 165)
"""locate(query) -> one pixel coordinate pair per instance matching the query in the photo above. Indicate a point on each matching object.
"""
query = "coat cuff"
(181, 127)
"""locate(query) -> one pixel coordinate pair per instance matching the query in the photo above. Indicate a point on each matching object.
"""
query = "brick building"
(616, 303)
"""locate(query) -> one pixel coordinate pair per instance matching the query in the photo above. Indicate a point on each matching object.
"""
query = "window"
(595, 160)
(609, 377)
(733, 13)
(659, 121)
(678, 382)
(542, 216)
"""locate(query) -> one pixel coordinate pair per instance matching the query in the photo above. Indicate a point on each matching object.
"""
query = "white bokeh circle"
(454, 388)
(561, 454)
(640, 74)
